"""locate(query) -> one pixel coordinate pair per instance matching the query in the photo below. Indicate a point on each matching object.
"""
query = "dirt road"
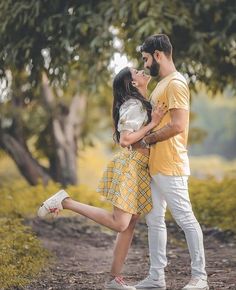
(82, 255)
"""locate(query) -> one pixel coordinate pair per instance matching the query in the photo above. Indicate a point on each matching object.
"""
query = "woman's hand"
(128, 138)
(158, 113)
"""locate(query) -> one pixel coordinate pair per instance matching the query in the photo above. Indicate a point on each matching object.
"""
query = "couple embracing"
(151, 172)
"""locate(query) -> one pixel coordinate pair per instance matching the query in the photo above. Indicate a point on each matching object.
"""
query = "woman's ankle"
(65, 202)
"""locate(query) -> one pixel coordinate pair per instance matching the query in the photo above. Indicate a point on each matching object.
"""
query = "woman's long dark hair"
(123, 90)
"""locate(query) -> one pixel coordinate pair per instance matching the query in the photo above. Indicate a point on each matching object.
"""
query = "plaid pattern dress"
(126, 182)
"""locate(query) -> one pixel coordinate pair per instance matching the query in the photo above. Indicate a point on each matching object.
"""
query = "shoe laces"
(120, 280)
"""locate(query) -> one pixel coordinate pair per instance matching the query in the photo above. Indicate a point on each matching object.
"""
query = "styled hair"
(123, 90)
(159, 42)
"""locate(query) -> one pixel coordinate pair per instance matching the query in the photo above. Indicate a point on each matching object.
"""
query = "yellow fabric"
(170, 157)
(126, 182)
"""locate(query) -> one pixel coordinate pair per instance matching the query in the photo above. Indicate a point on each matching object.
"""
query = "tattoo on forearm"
(162, 134)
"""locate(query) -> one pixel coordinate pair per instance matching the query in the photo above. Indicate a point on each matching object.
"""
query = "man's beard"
(154, 68)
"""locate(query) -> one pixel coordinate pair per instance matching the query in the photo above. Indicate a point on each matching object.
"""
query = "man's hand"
(179, 120)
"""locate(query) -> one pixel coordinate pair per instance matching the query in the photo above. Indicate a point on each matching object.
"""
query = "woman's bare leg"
(122, 245)
(118, 220)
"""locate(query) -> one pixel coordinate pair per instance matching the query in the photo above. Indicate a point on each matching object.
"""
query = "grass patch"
(21, 255)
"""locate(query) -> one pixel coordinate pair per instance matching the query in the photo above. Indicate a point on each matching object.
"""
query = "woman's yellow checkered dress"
(126, 182)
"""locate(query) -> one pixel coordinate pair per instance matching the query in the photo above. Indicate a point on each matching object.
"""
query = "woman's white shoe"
(53, 204)
(119, 284)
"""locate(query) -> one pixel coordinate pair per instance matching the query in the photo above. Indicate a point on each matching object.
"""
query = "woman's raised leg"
(118, 220)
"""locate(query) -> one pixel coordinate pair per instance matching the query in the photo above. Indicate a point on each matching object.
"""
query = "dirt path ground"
(83, 254)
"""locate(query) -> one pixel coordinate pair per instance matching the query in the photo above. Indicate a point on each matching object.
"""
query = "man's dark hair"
(159, 42)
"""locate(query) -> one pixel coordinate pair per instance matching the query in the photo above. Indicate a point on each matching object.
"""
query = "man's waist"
(173, 170)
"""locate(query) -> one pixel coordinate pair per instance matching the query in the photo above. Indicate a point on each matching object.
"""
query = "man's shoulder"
(177, 79)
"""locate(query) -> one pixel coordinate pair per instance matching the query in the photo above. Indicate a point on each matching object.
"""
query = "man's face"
(151, 64)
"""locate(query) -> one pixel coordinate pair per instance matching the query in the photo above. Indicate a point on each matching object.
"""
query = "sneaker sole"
(205, 288)
(151, 288)
(112, 288)
(119, 288)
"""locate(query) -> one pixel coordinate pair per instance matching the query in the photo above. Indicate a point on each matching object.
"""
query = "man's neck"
(167, 69)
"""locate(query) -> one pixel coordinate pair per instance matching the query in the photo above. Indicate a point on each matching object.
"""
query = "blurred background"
(57, 61)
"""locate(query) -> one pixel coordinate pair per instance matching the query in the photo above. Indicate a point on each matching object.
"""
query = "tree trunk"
(66, 124)
(27, 165)
(62, 133)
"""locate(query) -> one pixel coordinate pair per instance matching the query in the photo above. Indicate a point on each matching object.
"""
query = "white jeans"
(172, 191)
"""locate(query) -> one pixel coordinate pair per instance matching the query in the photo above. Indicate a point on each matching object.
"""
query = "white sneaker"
(151, 283)
(118, 283)
(52, 204)
(196, 283)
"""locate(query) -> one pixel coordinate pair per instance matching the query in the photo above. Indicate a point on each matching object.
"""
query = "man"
(169, 168)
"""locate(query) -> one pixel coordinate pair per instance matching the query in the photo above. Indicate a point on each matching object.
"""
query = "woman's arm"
(128, 138)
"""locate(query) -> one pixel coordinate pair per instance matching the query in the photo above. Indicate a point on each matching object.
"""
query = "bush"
(21, 255)
(214, 201)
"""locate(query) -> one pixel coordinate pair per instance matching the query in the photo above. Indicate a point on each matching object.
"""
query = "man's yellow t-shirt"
(170, 157)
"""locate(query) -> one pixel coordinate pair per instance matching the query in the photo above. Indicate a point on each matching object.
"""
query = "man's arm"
(179, 120)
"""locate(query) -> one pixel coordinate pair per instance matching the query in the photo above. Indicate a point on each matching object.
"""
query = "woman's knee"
(122, 226)
(121, 220)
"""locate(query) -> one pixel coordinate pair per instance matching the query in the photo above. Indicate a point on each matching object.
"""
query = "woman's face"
(140, 79)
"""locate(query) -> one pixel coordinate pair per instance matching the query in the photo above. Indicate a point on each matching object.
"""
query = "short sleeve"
(178, 95)
(132, 116)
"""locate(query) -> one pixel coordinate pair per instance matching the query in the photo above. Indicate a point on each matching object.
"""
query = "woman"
(126, 181)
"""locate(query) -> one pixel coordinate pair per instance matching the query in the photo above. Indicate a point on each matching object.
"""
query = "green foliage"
(202, 33)
(21, 255)
(214, 202)
(50, 35)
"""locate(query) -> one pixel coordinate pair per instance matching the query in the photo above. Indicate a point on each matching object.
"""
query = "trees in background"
(52, 56)
(54, 59)
(202, 32)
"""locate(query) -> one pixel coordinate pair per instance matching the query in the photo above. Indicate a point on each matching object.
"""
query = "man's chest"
(159, 95)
